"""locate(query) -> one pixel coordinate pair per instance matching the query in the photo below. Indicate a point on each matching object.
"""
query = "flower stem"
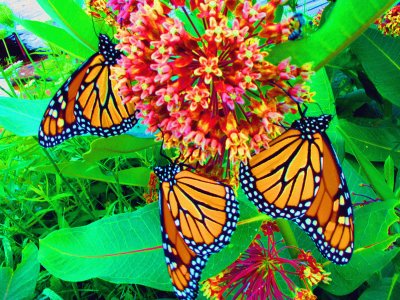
(288, 236)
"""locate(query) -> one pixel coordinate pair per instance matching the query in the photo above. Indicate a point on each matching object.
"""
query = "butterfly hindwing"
(198, 218)
(59, 121)
(329, 220)
(88, 102)
(299, 178)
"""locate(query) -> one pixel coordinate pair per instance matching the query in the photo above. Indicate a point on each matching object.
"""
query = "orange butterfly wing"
(198, 218)
(329, 220)
(281, 179)
(88, 102)
(299, 178)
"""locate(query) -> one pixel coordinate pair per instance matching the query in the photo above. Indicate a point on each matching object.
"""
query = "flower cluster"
(255, 274)
(316, 21)
(200, 75)
(389, 23)
(99, 9)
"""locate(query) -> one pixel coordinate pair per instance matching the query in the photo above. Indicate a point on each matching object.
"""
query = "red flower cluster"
(389, 23)
(256, 273)
(200, 74)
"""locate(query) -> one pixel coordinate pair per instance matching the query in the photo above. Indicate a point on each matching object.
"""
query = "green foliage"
(21, 116)
(20, 284)
(346, 22)
(136, 256)
(83, 203)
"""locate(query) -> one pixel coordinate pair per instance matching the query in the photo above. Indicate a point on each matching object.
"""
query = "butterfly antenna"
(161, 148)
(301, 112)
(285, 91)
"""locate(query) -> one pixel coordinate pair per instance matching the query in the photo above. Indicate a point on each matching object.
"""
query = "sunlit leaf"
(123, 145)
(58, 37)
(126, 248)
(22, 117)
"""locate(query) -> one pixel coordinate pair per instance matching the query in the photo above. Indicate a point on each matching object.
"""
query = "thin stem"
(191, 22)
(288, 236)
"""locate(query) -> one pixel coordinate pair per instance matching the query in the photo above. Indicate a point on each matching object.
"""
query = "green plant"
(82, 202)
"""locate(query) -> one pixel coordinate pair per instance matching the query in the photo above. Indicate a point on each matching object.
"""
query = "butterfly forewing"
(299, 178)
(88, 102)
(59, 121)
(198, 217)
(281, 179)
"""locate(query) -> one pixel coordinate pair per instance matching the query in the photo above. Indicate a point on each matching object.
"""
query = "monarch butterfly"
(87, 102)
(297, 21)
(198, 218)
(299, 178)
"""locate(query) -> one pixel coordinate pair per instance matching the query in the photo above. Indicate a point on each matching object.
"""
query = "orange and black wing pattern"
(299, 178)
(198, 218)
(88, 103)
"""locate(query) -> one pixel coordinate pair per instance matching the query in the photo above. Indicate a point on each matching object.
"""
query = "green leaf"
(70, 16)
(379, 56)
(347, 20)
(20, 284)
(59, 37)
(380, 289)
(126, 248)
(91, 170)
(389, 172)
(21, 117)
(372, 174)
(122, 145)
(376, 143)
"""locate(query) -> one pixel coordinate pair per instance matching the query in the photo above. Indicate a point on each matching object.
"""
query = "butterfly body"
(87, 103)
(299, 178)
(198, 218)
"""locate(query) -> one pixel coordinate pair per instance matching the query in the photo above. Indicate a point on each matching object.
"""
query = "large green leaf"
(379, 55)
(21, 117)
(377, 143)
(123, 145)
(374, 177)
(20, 284)
(59, 37)
(347, 20)
(91, 170)
(126, 248)
(70, 16)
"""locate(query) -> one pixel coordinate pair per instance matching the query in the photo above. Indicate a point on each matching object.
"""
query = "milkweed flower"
(304, 294)
(201, 75)
(389, 23)
(256, 273)
(99, 9)
(311, 271)
(316, 20)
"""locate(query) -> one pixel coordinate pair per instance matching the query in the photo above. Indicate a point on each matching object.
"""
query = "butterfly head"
(167, 173)
(107, 49)
(311, 125)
